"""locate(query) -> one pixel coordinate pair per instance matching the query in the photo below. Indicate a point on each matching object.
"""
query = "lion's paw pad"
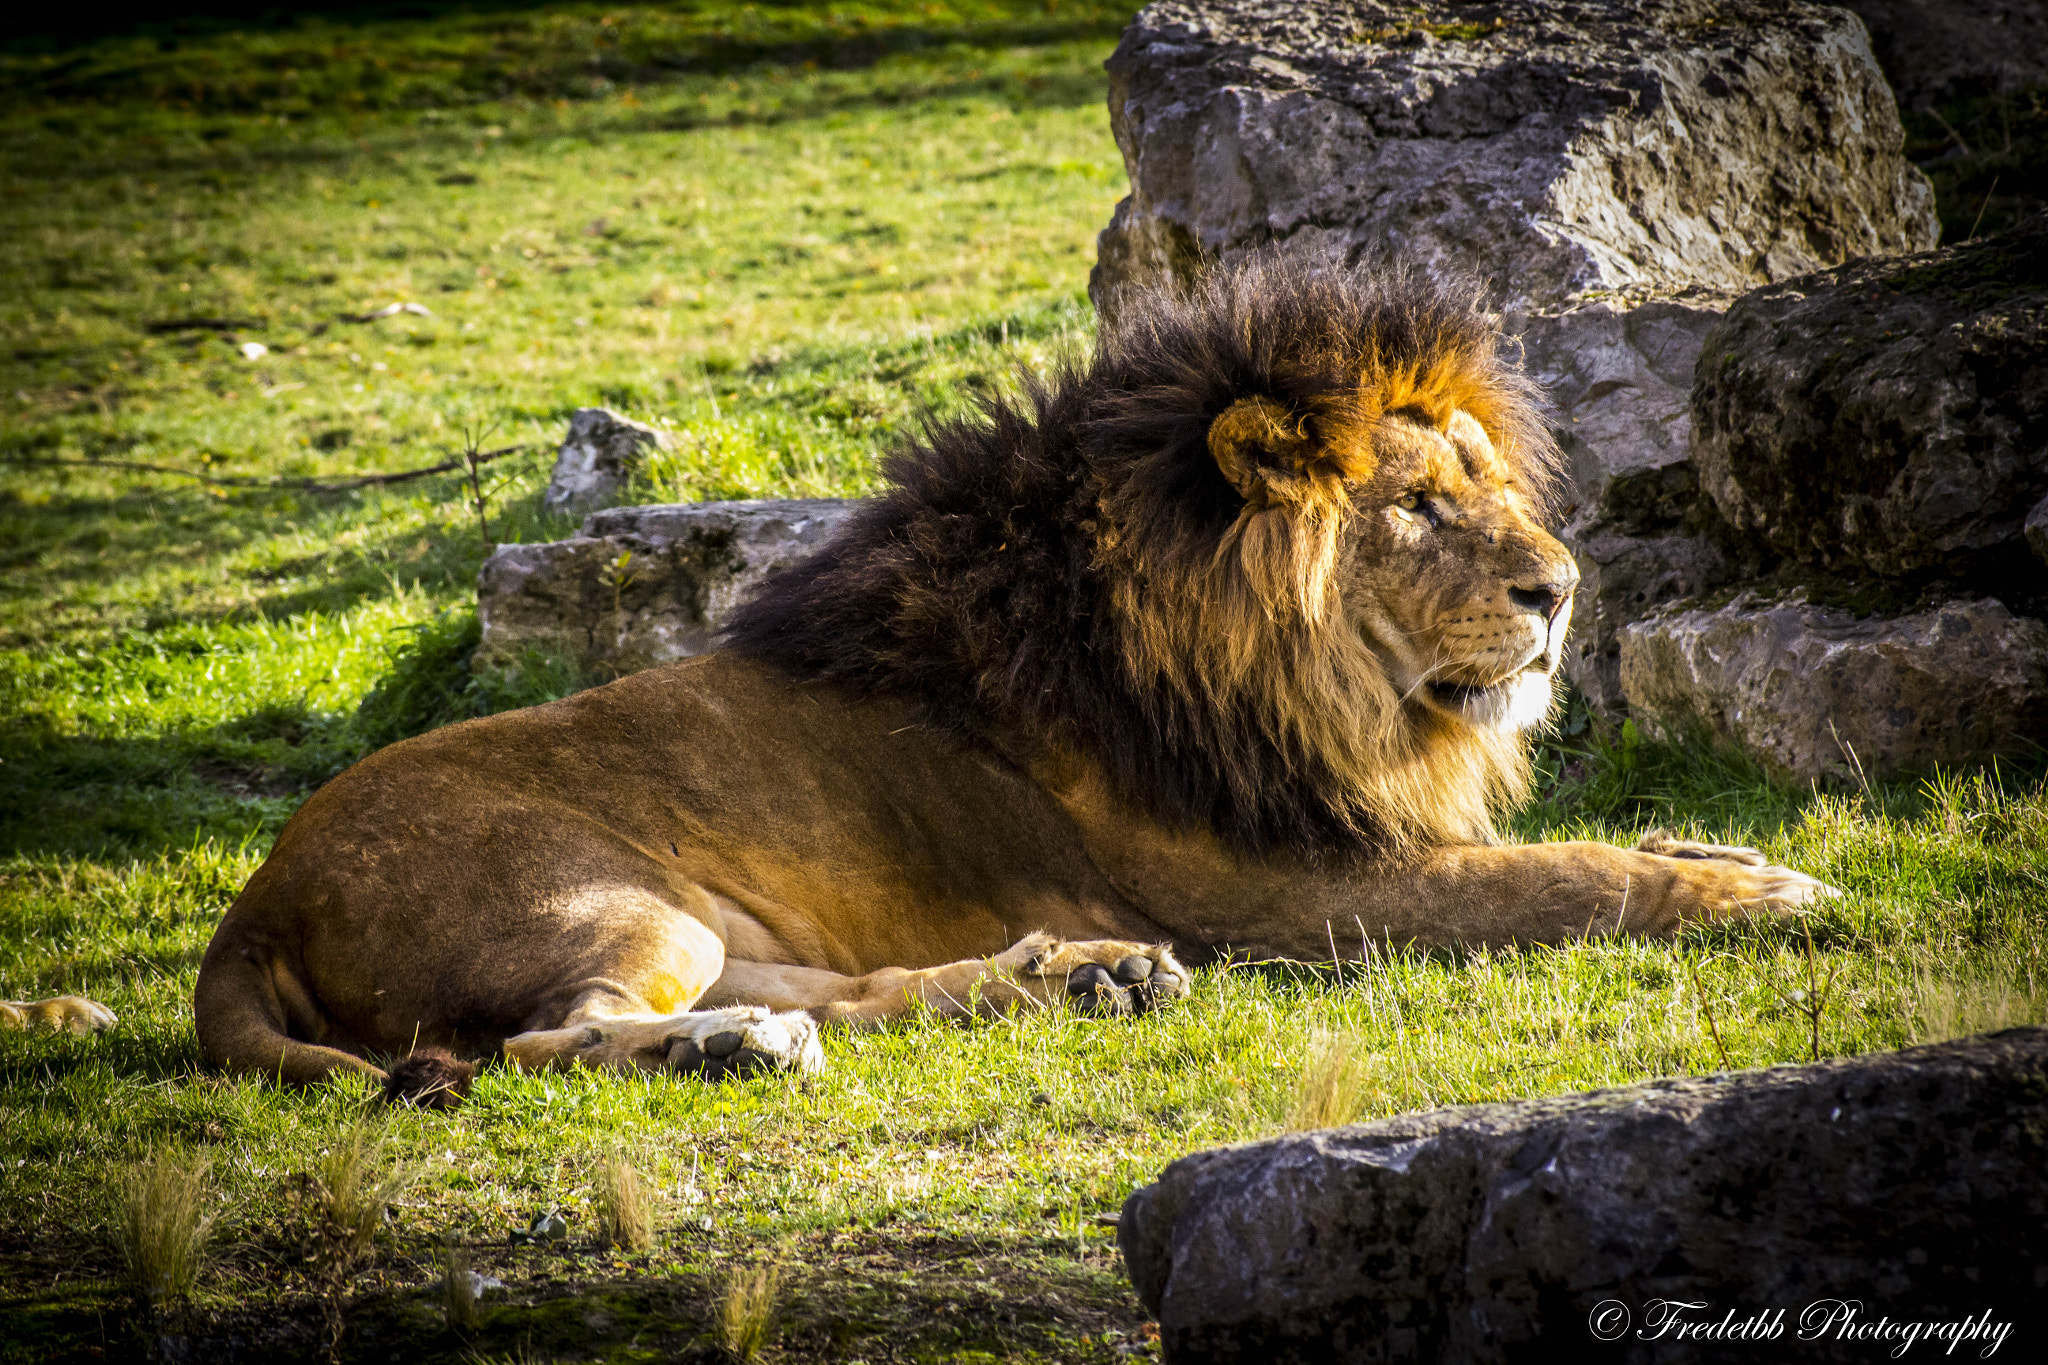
(771, 1042)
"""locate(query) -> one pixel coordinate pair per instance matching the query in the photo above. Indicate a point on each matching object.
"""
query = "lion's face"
(1414, 525)
(1464, 598)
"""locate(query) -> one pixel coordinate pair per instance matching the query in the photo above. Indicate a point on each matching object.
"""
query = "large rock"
(597, 459)
(640, 586)
(1814, 693)
(1888, 416)
(1935, 51)
(1562, 152)
(1907, 1182)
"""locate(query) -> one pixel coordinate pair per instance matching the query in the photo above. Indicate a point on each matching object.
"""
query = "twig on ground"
(286, 484)
(1983, 206)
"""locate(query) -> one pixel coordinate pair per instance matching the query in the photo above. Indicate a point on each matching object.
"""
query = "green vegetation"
(672, 213)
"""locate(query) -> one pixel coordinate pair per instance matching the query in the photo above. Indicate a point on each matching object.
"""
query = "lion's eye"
(1410, 502)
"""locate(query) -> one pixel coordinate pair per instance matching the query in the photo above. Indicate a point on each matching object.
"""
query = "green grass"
(676, 215)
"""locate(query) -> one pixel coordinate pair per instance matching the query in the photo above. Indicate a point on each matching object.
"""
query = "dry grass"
(1997, 998)
(747, 1314)
(161, 1224)
(1332, 1087)
(350, 1195)
(625, 1214)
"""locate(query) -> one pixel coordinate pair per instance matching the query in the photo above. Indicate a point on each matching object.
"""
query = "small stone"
(597, 458)
(1133, 969)
(1040, 1099)
(724, 1044)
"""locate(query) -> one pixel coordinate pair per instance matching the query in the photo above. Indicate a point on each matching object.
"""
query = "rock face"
(640, 586)
(1888, 416)
(1907, 1182)
(1934, 51)
(597, 458)
(1803, 688)
(1560, 151)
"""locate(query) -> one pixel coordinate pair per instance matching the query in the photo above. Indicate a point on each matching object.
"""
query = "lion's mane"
(1070, 567)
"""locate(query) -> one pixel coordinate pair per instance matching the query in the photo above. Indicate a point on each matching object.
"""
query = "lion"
(1229, 638)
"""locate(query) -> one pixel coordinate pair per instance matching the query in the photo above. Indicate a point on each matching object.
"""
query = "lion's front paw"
(1109, 976)
(1712, 889)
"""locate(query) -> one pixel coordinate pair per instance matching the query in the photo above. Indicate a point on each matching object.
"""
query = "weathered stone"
(1907, 1182)
(1816, 693)
(1560, 152)
(1935, 51)
(1622, 579)
(640, 586)
(597, 458)
(1619, 381)
(1888, 416)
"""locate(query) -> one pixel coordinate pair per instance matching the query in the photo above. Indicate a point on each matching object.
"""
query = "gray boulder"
(639, 586)
(597, 459)
(1888, 417)
(1906, 1182)
(1814, 693)
(1561, 152)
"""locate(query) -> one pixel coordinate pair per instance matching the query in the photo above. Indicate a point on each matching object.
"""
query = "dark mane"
(993, 583)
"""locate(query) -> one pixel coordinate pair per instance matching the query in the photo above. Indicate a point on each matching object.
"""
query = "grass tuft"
(161, 1224)
(1331, 1090)
(458, 1291)
(351, 1189)
(746, 1315)
(625, 1214)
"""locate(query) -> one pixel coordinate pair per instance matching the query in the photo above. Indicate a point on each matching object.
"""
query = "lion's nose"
(1545, 599)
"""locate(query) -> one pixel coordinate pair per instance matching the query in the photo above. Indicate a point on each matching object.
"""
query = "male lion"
(1229, 639)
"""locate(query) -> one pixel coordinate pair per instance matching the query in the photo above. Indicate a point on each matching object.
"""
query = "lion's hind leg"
(711, 1044)
(69, 1013)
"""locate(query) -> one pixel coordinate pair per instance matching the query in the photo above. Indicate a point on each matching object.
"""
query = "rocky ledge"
(1813, 693)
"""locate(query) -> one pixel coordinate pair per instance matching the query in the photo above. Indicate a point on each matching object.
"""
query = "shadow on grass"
(241, 779)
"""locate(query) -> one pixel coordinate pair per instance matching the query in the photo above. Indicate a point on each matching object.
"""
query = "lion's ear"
(1263, 450)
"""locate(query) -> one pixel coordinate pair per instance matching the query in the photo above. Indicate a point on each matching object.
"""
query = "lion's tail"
(246, 998)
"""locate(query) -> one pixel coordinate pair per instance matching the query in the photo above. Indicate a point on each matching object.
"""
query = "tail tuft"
(431, 1078)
